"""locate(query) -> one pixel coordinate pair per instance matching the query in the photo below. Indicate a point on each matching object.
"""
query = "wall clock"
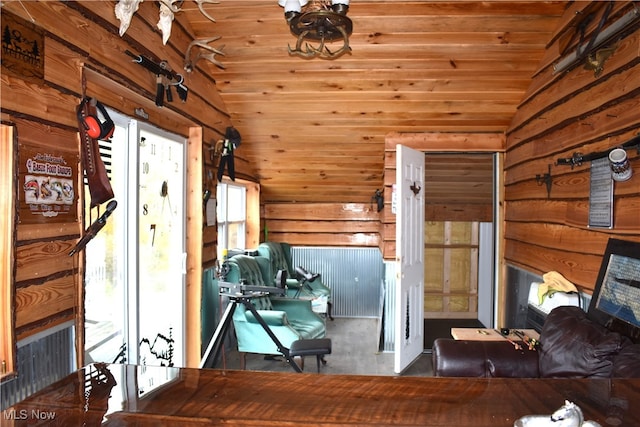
(161, 181)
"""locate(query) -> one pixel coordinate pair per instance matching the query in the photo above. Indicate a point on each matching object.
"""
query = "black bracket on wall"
(378, 197)
(545, 179)
(162, 70)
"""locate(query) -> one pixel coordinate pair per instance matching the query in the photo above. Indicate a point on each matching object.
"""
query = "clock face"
(161, 236)
(161, 180)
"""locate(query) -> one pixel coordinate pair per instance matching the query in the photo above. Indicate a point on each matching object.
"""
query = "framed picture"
(615, 303)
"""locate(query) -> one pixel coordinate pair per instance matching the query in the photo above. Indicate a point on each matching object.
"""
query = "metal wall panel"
(353, 274)
(389, 306)
(39, 363)
(517, 296)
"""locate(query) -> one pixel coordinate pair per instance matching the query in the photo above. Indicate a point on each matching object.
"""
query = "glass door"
(161, 248)
(134, 300)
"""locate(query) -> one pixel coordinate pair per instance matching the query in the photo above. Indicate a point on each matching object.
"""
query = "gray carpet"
(354, 351)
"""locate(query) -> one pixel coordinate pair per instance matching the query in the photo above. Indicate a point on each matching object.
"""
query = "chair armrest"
(271, 317)
(296, 308)
(293, 284)
(465, 358)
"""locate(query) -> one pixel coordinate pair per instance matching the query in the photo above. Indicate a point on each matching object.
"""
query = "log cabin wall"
(82, 39)
(322, 224)
(563, 113)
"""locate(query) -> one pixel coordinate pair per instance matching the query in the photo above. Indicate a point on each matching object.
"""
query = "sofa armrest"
(463, 358)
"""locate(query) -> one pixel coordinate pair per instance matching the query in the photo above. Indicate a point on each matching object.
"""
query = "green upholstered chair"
(289, 319)
(279, 255)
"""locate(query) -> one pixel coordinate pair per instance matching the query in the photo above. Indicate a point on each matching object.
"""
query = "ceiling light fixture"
(318, 21)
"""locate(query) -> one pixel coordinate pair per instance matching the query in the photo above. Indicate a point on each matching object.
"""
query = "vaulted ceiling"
(315, 128)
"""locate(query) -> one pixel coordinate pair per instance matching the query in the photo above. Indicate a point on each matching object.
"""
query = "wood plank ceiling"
(315, 128)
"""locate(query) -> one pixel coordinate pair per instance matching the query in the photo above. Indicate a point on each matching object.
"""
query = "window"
(232, 216)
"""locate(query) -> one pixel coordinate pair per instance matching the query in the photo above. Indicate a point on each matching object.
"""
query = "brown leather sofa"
(571, 346)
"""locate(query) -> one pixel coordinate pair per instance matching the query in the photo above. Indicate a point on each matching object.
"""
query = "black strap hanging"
(231, 141)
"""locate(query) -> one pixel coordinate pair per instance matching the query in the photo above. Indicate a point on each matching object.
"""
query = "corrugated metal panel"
(353, 274)
(389, 306)
(39, 363)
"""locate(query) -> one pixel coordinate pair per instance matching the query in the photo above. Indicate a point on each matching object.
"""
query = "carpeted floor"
(441, 328)
(354, 348)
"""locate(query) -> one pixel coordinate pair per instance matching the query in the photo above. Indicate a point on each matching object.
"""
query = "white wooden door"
(409, 322)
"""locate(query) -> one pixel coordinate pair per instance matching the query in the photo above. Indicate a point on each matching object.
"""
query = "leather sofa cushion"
(573, 346)
(461, 358)
(627, 362)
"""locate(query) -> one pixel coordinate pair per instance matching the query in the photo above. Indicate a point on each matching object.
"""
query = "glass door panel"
(134, 277)
(105, 268)
(161, 248)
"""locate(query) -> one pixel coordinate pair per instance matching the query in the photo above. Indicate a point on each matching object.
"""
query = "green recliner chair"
(279, 255)
(288, 318)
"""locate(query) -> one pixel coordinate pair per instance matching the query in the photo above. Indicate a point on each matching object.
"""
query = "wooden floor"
(354, 351)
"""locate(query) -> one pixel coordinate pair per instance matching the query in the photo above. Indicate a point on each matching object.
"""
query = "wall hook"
(378, 197)
(545, 179)
(416, 189)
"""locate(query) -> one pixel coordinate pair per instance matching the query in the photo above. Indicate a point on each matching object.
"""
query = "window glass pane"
(235, 203)
(221, 202)
(105, 269)
(236, 235)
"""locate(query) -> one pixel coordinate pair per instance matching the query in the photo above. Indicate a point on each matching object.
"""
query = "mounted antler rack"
(578, 158)
(163, 72)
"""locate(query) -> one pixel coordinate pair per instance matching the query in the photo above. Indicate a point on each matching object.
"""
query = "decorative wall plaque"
(47, 186)
(22, 48)
(601, 194)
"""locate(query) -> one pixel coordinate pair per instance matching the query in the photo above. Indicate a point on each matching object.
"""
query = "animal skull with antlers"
(125, 9)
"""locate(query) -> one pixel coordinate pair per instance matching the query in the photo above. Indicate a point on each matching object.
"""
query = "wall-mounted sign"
(47, 181)
(22, 48)
(600, 194)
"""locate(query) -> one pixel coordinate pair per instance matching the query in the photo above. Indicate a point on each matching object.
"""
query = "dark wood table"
(123, 395)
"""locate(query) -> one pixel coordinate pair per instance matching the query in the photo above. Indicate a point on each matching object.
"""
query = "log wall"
(81, 39)
(563, 113)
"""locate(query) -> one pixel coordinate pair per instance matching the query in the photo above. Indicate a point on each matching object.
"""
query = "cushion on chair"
(575, 347)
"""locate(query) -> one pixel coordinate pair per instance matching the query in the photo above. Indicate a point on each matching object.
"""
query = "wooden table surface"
(156, 396)
(487, 334)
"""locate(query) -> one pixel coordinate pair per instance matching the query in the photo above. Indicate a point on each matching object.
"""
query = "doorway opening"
(459, 242)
